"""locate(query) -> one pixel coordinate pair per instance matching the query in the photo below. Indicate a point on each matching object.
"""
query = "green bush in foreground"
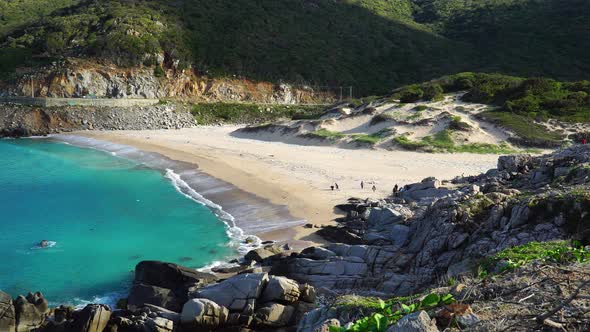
(560, 252)
(388, 313)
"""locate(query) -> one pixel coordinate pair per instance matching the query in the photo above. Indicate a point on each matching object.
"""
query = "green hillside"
(373, 45)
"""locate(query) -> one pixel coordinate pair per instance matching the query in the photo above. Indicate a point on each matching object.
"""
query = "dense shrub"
(539, 98)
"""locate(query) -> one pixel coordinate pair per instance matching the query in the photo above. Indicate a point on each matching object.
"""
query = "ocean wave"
(109, 299)
(240, 241)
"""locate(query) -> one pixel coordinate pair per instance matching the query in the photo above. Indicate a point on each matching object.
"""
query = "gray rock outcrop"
(238, 293)
(7, 314)
(416, 322)
(274, 315)
(141, 294)
(280, 289)
(93, 318)
(203, 314)
(30, 311)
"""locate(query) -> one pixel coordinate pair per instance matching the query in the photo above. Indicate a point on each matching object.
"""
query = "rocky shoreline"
(24, 121)
(403, 245)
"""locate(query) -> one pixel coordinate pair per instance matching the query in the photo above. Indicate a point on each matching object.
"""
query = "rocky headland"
(447, 238)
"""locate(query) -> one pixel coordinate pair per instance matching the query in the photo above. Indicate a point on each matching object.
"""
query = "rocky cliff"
(77, 78)
(21, 121)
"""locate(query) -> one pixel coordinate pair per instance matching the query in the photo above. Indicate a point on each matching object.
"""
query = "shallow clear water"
(105, 215)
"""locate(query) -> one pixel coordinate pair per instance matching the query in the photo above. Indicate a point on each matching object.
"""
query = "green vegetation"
(372, 139)
(388, 313)
(531, 133)
(561, 252)
(408, 144)
(383, 117)
(326, 134)
(519, 102)
(356, 102)
(252, 113)
(458, 124)
(535, 98)
(159, 72)
(370, 45)
(443, 142)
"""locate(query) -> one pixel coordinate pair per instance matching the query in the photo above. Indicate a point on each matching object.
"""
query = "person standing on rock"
(395, 189)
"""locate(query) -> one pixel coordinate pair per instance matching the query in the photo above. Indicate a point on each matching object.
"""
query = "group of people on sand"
(374, 187)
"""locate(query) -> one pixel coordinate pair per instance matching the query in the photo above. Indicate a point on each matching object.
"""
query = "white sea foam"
(239, 240)
(109, 299)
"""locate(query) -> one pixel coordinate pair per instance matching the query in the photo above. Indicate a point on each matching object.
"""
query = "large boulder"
(427, 189)
(159, 324)
(274, 315)
(263, 253)
(141, 294)
(202, 314)
(514, 163)
(381, 218)
(171, 276)
(280, 289)
(317, 253)
(238, 293)
(30, 311)
(416, 322)
(93, 318)
(399, 235)
(7, 315)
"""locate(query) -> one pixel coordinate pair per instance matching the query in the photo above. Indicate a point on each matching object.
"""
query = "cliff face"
(22, 121)
(82, 78)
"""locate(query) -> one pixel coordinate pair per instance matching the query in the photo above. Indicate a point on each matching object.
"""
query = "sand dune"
(413, 120)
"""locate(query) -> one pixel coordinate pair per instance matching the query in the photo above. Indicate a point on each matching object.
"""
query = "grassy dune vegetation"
(211, 113)
(371, 45)
(518, 100)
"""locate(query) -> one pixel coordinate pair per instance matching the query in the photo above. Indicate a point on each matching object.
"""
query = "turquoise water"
(104, 213)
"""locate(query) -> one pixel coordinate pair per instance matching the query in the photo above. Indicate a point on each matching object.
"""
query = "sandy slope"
(414, 120)
(296, 175)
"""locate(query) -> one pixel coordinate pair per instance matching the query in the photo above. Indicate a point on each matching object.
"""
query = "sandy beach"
(297, 176)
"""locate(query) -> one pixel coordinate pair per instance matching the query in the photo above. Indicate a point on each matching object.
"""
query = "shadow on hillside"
(325, 42)
(316, 42)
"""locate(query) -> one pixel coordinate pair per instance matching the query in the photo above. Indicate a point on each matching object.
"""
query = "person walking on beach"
(337, 188)
(362, 185)
(374, 188)
(332, 187)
